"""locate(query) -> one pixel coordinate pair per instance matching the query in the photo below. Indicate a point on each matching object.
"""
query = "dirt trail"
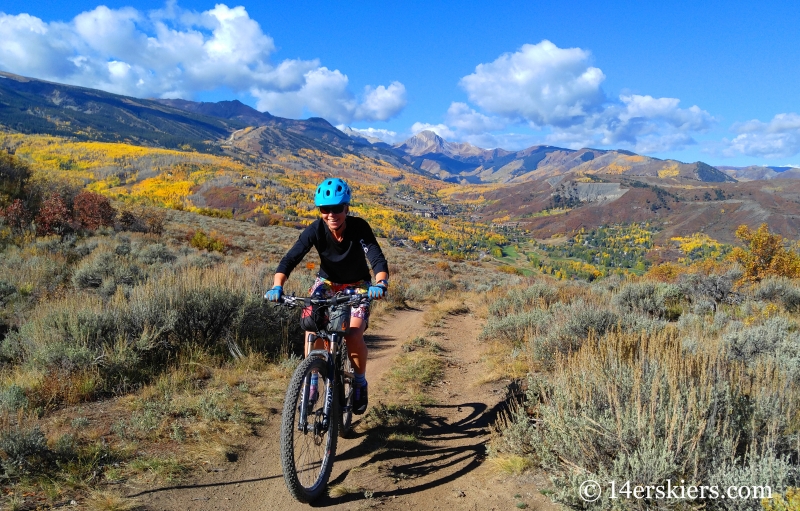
(441, 471)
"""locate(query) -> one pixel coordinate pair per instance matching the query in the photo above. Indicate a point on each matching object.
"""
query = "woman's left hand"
(376, 292)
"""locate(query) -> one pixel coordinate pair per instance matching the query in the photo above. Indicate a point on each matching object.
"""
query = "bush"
(14, 176)
(774, 341)
(641, 297)
(515, 328)
(518, 300)
(766, 254)
(634, 407)
(17, 216)
(142, 219)
(571, 326)
(779, 289)
(93, 210)
(54, 216)
(25, 451)
(712, 289)
(12, 398)
(199, 239)
(155, 253)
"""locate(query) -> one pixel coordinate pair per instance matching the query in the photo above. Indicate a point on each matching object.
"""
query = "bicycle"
(310, 428)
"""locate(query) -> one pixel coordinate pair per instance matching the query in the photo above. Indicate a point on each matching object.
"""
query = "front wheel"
(308, 446)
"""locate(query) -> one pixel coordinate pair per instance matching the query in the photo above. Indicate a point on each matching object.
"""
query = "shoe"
(360, 399)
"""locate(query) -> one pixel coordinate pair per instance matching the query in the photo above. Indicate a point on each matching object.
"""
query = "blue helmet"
(332, 192)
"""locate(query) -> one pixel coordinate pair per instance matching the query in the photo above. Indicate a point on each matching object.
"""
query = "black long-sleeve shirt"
(343, 262)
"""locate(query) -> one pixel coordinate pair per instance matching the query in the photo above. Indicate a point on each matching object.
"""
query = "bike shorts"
(328, 289)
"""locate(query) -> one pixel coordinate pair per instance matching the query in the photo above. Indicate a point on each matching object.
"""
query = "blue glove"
(376, 292)
(274, 294)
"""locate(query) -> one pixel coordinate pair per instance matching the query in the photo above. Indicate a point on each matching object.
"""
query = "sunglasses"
(331, 209)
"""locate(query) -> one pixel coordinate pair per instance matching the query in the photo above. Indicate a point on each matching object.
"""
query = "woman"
(344, 244)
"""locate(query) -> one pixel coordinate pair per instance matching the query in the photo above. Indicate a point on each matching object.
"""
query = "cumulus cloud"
(541, 83)
(388, 136)
(778, 138)
(557, 92)
(467, 120)
(442, 130)
(175, 53)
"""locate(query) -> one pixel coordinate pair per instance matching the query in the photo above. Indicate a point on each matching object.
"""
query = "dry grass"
(510, 464)
(109, 501)
(449, 306)
(340, 490)
(412, 372)
(502, 362)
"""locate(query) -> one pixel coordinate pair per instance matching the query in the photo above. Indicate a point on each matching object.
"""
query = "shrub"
(634, 407)
(25, 450)
(571, 326)
(155, 253)
(766, 254)
(515, 328)
(774, 341)
(12, 398)
(14, 176)
(92, 211)
(90, 273)
(17, 216)
(713, 289)
(641, 297)
(779, 289)
(54, 216)
(199, 239)
(142, 219)
(518, 300)
(788, 503)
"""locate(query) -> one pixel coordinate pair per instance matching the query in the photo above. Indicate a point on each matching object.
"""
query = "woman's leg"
(356, 346)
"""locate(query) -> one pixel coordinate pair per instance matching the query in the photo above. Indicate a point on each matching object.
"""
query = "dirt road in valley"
(443, 470)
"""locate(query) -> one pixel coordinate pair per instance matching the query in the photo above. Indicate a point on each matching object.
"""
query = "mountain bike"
(310, 427)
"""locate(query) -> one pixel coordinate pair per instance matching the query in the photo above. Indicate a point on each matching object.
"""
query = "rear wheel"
(308, 446)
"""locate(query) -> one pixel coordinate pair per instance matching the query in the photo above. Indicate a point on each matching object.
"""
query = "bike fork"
(330, 386)
(302, 420)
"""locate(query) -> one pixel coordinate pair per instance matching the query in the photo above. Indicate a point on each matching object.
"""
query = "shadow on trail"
(378, 343)
(442, 452)
(196, 486)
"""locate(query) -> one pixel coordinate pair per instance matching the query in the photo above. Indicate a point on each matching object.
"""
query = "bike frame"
(335, 340)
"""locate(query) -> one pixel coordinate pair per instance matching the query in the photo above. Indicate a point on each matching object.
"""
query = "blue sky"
(710, 81)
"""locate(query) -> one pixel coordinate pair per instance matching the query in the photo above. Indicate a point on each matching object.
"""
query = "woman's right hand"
(274, 294)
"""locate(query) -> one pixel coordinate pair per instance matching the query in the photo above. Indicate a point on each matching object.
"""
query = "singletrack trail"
(443, 470)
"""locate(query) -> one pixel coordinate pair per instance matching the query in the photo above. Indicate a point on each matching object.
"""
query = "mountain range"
(29, 105)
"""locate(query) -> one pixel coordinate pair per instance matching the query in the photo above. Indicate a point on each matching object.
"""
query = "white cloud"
(381, 103)
(388, 136)
(778, 138)
(540, 83)
(440, 129)
(176, 53)
(467, 120)
(556, 92)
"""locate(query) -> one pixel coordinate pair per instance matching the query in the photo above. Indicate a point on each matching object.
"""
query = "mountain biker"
(344, 244)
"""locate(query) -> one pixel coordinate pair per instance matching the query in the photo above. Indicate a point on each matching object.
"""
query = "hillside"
(417, 193)
(40, 107)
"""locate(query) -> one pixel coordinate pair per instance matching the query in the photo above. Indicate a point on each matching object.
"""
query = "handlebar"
(295, 301)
